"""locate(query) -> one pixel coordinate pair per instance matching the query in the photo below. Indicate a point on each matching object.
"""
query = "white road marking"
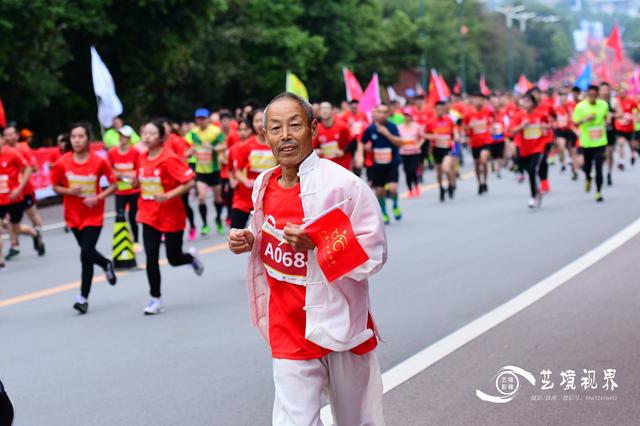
(443, 347)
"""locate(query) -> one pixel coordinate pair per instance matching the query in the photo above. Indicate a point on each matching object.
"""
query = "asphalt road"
(201, 363)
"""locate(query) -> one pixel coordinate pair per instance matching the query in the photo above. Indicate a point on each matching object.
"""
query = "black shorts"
(628, 136)
(211, 179)
(497, 150)
(439, 154)
(15, 212)
(382, 174)
(475, 152)
(29, 200)
(568, 135)
(611, 137)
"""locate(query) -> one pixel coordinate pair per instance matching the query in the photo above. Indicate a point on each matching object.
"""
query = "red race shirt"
(499, 126)
(442, 127)
(30, 157)
(532, 137)
(68, 173)
(12, 163)
(625, 123)
(285, 267)
(178, 145)
(563, 115)
(230, 139)
(251, 158)
(158, 176)
(124, 167)
(357, 122)
(479, 124)
(330, 140)
(547, 111)
(422, 116)
(55, 156)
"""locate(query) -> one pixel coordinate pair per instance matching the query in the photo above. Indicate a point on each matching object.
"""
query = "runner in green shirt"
(207, 141)
(590, 117)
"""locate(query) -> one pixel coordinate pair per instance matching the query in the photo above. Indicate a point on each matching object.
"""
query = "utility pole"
(461, 35)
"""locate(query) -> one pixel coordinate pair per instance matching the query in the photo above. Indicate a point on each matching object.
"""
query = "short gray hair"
(304, 104)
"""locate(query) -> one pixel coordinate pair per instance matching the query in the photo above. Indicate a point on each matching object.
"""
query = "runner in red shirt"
(163, 178)
(625, 109)
(566, 137)
(76, 176)
(14, 174)
(249, 160)
(545, 108)
(357, 122)
(530, 126)
(29, 197)
(182, 148)
(230, 129)
(477, 125)
(498, 133)
(440, 130)
(124, 161)
(333, 141)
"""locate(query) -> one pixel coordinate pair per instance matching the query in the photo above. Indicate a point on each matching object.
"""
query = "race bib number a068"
(281, 261)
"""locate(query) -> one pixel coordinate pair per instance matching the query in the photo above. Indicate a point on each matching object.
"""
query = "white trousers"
(352, 383)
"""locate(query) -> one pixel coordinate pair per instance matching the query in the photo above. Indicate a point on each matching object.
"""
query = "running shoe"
(544, 186)
(417, 189)
(609, 181)
(621, 167)
(451, 190)
(219, 227)
(198, 266)
(81, 305)
(599, 198)
(532, 203)
(154, 307)
(574, 177)
(205, 230)
(227, 221)
(587, 185)
(38, 244)
(443, 192)
(397, 213)
(563, 169)
(385, 218)
(480, 189)
(13, 253)
(192, 234)
(2, 267)
(110, 273)
(633, 160)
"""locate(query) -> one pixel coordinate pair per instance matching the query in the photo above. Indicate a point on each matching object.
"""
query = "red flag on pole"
(615, 42)
(3, 116)
(351, 85)
(338, 249)
(484, 89)
(445, 86)
(437, 91)
(457, 89)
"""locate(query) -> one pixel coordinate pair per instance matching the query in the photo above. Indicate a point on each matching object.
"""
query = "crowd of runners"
(157, 172)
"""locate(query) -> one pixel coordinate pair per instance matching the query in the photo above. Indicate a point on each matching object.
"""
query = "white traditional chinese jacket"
(336, 313)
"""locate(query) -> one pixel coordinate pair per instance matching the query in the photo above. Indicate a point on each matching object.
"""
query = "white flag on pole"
(109, 105)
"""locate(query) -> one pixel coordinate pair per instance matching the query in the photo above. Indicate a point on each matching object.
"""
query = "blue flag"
(584, 80)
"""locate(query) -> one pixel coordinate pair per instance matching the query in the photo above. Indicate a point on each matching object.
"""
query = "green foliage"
(168, 57)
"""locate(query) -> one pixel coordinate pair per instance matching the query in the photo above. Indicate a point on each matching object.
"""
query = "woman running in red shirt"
(76, 176)
(163, 179)
(124, 160)
(530, 129)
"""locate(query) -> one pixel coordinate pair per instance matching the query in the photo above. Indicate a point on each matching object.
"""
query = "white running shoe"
(532, 203)
(198, 266)
(154, 307)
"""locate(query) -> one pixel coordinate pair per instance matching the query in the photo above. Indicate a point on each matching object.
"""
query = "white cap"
(126, 131)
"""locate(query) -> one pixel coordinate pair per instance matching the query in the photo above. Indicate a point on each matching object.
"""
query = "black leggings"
(132, 200)
(188, 209)
(532, 164)
(87, 239)
(173, 245)
(594, 155)
(410, 164)
(543, 172)
(239, 218)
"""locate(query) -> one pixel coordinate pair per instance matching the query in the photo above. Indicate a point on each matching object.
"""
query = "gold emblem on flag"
(334, 243)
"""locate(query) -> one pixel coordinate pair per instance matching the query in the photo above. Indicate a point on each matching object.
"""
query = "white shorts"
(352, 383)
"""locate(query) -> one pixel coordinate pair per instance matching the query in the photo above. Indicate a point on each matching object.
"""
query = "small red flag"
(615, 42)
(351, 85)
(484, 89)
(3, 116)
(338, 250)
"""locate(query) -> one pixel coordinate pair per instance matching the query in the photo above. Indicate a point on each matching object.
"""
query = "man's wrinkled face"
(288, 132)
